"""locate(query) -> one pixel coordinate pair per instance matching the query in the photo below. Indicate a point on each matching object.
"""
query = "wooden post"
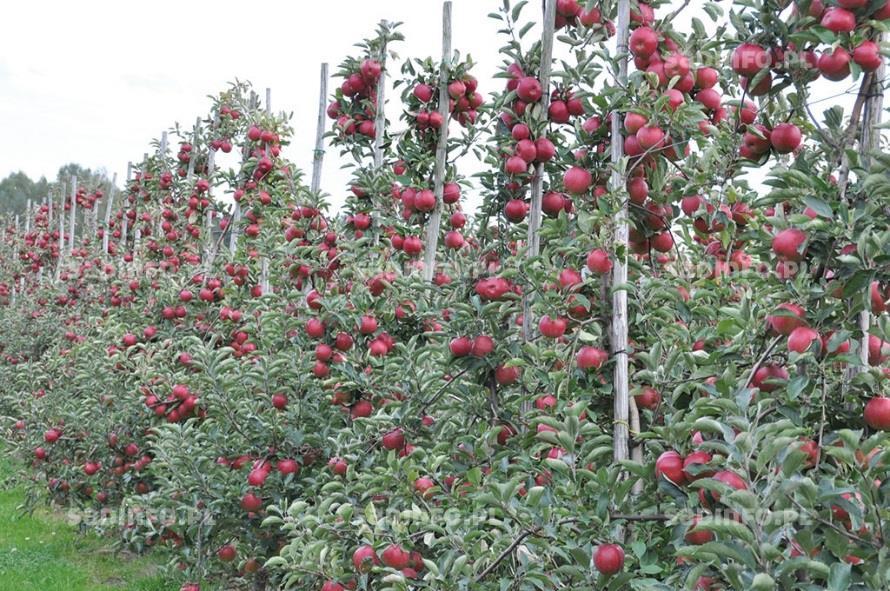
(125, 221)
(73, 222)
(109, 203)
(137, 229)
(318, 157)
(432, 229)
(49, 212)
(380, 115)
(194, 155)
(264, 262)
(619, 273)
(62, 196)
(533, 246)
(870, 141)
(28, 217)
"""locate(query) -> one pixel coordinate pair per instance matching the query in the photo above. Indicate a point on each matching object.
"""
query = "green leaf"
(819, 206)
(839, 576)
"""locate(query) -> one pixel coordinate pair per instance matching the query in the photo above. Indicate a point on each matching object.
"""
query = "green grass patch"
(42, 552)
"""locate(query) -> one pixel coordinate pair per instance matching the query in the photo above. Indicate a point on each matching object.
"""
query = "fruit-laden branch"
(507, 552)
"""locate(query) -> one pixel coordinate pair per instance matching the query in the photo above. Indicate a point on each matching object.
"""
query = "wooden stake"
(432, 229)
(125, 220)
(619, 273)
(380, 115)
(318, 157)
(533, 246)
(28, 217)
(870, 141)
(109, 203)
(63, 194)
(73, 222)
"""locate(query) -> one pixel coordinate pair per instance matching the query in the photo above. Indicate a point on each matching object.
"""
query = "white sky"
(94, 81)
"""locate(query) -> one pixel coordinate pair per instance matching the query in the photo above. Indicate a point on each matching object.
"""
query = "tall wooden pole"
(533, 240)
(318, 156)
(28, 217)
(109, 204)
(432, 229)
(73, 221)
(870, 141)
(63, 194)
(125, 221)
(380, 114)
(619, 273)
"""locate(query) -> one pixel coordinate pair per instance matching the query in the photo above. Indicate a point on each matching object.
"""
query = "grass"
(41, 552)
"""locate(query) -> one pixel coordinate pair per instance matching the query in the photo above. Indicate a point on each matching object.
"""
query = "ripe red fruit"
(516, 165)
(251, 503)
(425, 201)
(338, 466)
(696, 458)
(365, 558)
(482, 346)
(552, 327)
(748, 59)
(394, 439)
(766, 377)
(577, 180)
(52, 435)
(730, 479)
(529, 89)
(590, 357)
(877, 413)
(785, 324)
(785, 138)
(648, 398)
(544, 149)
(608, 558)
(790, 244)
(226, 553)
(130, 340)
(423, 92)
(367, 325)
(461, 346)
(598, 261)
(634, 121)
(332, 586)
(700, 537)
(835, 66)
(505, 433)
(706, 77)
(868, 56)
(643, 42)
(516, 210)
(801, 338)
(506, 376)
(394, 557)
(838, 20)
(650, 136)
(670, 465)
(288, 466)
(279, 401)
